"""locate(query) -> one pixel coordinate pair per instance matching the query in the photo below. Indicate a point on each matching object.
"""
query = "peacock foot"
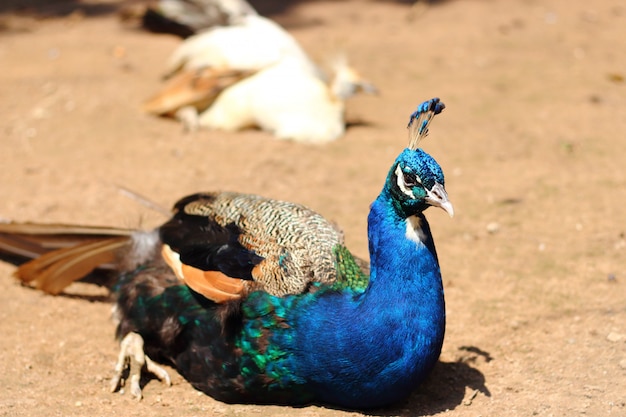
(133, 357)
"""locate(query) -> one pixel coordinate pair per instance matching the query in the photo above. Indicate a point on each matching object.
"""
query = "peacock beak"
(447, 206)
(438, 197)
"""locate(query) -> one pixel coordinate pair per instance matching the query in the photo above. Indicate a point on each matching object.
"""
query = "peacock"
(255, 300)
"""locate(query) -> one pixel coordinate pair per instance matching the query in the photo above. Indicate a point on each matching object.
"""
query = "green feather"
(349, 273)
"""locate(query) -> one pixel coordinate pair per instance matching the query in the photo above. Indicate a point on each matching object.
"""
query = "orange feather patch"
(214, 285)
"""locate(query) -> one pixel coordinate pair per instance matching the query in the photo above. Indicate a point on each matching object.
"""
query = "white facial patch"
(414, 230)
(401, 185)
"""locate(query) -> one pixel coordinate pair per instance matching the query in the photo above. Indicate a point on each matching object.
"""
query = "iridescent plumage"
(257, 300)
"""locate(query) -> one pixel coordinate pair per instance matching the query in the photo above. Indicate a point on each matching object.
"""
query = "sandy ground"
(533, 142)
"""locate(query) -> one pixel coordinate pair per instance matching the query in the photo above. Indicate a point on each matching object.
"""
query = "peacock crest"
(420, 120)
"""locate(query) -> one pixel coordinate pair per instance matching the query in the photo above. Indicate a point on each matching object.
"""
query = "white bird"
(252, 43)
(255, 73)
(287, 101)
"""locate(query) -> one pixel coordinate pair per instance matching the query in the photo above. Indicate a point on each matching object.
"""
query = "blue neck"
(380, 344)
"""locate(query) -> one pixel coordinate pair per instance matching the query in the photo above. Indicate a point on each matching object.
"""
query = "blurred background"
(532, 142)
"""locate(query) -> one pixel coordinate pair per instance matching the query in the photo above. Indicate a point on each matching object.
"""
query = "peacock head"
(416, 180)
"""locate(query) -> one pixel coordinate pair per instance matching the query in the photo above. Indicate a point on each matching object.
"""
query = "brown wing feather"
(295, 243)
(62, 253)
(197, 88)
(38, 229)
(30, 240)
(20, 246)
(54, 271)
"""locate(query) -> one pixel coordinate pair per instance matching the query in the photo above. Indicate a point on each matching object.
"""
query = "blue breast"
(370, 349)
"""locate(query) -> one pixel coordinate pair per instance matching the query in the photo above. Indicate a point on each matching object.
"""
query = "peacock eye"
(410, 179)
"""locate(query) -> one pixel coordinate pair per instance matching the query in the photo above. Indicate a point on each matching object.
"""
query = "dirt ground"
(533, 143)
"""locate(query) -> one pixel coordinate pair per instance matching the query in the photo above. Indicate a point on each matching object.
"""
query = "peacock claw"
(133, 357)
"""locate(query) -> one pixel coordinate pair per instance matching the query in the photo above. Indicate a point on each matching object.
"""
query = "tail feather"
(61, 254)
(35, 229)
(17, 245)
(56, 270)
